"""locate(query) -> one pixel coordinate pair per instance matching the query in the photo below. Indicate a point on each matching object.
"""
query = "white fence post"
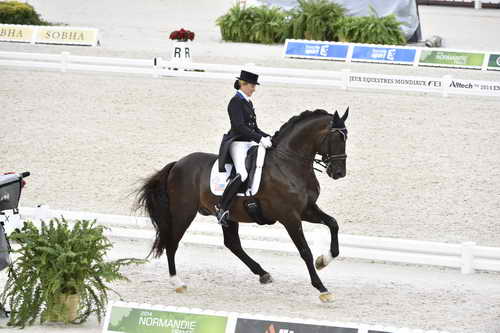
(446, 80)
(418, 53)
(345, 78)
(157, 66)
(64, 61)
(477, 4)
(35, 35)
(350, 50)
(487, 55)
(468, 257)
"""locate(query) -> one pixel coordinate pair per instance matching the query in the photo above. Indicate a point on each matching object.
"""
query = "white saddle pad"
(218, 180)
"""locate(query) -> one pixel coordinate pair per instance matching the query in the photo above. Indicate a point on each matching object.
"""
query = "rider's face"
(248, 89)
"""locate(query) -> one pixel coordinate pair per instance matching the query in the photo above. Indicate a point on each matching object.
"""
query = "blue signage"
(319, 50)
(384, 54)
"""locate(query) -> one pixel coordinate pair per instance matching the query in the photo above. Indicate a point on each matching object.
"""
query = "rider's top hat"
(249, 77)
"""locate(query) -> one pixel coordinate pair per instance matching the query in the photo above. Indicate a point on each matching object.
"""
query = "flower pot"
(66, 308)
(181, 51)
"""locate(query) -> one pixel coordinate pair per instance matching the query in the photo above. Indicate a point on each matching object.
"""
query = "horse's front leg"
(315, 215)
(294, 228)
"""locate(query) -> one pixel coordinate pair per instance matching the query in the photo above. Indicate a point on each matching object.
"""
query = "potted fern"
(60, 273)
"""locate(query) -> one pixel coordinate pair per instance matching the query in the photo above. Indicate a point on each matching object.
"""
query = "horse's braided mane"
(294, 120)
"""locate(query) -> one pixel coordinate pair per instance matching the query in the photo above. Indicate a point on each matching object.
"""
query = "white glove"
(265, 142)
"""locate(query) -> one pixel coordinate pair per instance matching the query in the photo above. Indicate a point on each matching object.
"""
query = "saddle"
(253, 163)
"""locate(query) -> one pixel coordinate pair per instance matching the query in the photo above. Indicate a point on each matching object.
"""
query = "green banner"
(131, 320)
(494, 61)
(451, 58)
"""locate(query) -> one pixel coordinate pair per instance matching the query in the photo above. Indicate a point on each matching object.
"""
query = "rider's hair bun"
(237, 84)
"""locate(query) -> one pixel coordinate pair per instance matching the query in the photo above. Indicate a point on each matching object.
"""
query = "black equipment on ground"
(11, 185)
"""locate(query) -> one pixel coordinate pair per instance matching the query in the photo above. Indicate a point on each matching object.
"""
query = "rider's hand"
(265, 142)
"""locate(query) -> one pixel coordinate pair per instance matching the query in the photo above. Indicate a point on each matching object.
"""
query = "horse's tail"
(152, 196)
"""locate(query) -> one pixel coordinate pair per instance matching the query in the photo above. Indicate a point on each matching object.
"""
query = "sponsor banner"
(66, 35)
(268, 326)
(384, 54)
(460, 86)
(451, 59)
(317, 50)
(124, 319)
(494, 62)
(16, 33)
(380, 81)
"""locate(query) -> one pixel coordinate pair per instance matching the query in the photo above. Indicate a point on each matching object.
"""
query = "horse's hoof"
(320, 262)
(181, 289)
(327, 297)
(266, 278)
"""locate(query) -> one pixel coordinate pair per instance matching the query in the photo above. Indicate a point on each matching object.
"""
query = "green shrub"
(236, 24)
(371, 30)
(14, 12)
(314, 20)
(268, 26)
(253, 24)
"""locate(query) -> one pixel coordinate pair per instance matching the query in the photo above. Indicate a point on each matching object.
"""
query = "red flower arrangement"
(182, 35)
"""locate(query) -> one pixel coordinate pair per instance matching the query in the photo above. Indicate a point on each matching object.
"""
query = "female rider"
(243, 134)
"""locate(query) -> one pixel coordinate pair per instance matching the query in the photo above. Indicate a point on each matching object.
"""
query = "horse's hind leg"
(233, 243)
(181, 218)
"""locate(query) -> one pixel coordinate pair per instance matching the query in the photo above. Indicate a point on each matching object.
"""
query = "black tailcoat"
(243, 127)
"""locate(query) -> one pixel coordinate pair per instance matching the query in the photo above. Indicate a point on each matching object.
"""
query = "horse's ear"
(346, 113)
(336, 117)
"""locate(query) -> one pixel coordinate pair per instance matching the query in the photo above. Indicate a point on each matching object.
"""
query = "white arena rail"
(344, 79)
(158, 67)
(467, 256)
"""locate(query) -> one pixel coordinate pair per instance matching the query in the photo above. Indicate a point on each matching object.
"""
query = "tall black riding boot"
(222, 208)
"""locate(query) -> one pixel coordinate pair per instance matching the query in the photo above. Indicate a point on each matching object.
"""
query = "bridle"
(326, 159)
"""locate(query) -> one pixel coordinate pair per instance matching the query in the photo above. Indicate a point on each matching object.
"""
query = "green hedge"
(371, 30)
(14, 12)
(312, 19)
(253, 24)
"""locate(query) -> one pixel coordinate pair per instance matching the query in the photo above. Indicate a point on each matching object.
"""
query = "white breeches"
(238, 151)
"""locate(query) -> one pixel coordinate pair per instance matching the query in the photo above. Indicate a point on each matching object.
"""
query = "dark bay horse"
(288, 192)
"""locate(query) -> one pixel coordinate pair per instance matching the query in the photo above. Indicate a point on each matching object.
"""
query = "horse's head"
(332, 146)
(311, 133)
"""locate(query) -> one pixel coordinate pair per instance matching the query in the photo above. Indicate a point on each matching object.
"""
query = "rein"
(293, 156)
